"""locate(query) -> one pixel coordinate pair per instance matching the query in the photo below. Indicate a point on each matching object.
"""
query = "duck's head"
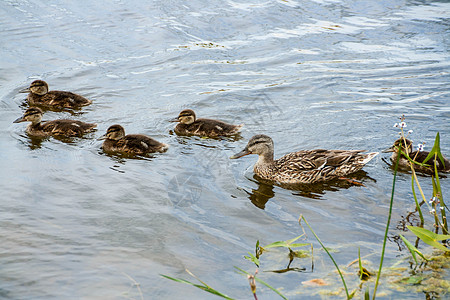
(259, 144)
(39, 87)
(187, 117)
(32, 114)
(406, 147)
(114, 132)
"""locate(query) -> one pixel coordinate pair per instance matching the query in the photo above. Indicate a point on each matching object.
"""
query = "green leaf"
(294, 239)
(299, 245)
(367, 294)
(277, 244)
(436, 149)
(430, 237)
(287, 244)
(361, 272)
(413, 279)
(253, 259)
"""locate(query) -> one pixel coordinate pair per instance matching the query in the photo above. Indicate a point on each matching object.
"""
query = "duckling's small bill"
(388, 150)
(18, 120)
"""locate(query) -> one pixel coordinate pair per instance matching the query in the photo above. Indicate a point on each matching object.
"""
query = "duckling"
(306, 166)
(133, 144)
(68, 128)
(418, 156)
(40, 95)
(189, 125)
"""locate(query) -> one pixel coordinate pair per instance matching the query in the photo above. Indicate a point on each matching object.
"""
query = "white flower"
(432, 211)
(420, 147)
(402, 125)
(442, 208)
(410, 131)
(395, 125)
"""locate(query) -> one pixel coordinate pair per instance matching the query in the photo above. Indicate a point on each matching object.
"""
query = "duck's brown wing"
(64, 99)
(316, 159)
(138, 144)
(67, 127)
(209, 127)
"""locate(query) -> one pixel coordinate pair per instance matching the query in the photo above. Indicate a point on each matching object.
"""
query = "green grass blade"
(263, 282)
(411, 246)
(202, 287)
(441, 198)
(416, 201)
(367, 294)
(391, 204)
(331, 257)
(361, 271)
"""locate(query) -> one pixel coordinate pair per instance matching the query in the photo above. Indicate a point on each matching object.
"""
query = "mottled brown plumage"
(63, 127)
(134, 144)
(307, 166)
(418, 156)
(40, 95)
(189, 125)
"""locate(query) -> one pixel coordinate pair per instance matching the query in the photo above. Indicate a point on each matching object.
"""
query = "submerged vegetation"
(420, 272)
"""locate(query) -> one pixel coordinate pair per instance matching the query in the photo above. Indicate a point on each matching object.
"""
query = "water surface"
(77, 223)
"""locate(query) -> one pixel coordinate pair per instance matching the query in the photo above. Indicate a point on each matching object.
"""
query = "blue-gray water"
(78, 224)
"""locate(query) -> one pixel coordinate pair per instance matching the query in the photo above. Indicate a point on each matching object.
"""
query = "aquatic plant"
(423, 234)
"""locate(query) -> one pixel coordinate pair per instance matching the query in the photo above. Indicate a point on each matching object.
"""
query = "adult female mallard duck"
(189, 125)
(63, 127)
(40, 95)
(306, 166)
(418, 156)
(133, 144)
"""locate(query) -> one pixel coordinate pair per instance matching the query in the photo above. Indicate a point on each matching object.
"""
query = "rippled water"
(77, 223)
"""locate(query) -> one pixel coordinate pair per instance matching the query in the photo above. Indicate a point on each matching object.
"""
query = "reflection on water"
(35, 142)
(264, 192)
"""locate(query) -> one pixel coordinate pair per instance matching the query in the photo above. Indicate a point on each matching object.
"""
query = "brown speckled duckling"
(418, 156)
(134, 144)
(307, 166)
(40, 95)
(189, 125)
(63, 127)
